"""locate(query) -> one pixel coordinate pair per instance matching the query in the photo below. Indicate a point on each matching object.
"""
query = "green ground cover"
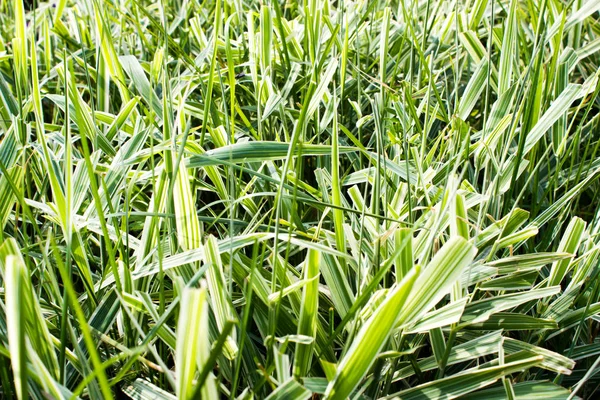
(299, 200)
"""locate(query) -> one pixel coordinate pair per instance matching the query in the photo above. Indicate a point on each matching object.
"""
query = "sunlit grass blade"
(369, 340)
(14, 275)
(192, 343)
(307, 322)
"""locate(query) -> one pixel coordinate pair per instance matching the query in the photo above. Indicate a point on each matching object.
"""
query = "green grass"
(292, 200)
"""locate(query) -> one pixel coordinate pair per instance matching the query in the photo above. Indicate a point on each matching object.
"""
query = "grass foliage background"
(293, 200)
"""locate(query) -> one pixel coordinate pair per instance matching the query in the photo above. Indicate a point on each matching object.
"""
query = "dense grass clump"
(299, 200)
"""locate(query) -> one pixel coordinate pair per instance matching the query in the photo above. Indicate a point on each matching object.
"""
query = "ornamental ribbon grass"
(236, 199)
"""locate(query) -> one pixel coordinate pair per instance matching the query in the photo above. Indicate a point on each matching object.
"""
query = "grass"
(294, 200)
